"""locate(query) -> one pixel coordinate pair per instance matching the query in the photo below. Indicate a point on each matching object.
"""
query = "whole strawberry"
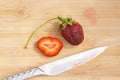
(71, 30)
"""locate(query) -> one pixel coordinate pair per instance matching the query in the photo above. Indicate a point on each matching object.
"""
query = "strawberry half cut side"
(49, 46)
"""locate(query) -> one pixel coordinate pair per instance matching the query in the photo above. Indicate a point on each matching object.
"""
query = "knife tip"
(104, 47)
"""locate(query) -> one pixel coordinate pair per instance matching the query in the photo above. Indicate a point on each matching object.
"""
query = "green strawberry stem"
(65, 22)
(35, 31)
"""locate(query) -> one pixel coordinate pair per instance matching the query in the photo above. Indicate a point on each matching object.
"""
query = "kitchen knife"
(59, 66)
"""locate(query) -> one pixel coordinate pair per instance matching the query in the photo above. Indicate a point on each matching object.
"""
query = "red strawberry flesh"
(49, 46)
(73, 33)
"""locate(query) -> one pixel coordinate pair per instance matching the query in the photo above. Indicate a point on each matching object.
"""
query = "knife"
(59, 66)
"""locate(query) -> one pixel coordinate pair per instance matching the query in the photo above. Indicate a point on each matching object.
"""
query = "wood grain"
(18, 18)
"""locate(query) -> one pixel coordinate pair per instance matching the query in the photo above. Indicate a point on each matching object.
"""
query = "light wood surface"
(101, 23)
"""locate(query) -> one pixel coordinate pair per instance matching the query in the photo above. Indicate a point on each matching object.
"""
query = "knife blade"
(59, 66)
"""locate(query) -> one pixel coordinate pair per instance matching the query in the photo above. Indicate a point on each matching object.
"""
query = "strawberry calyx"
(65, 22)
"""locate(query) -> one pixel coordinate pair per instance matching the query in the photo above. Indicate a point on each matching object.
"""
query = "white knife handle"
(26, 74)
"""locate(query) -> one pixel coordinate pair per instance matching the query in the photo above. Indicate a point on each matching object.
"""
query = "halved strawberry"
(49, 46)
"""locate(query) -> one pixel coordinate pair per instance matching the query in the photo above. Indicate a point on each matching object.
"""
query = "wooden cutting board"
(101, 23)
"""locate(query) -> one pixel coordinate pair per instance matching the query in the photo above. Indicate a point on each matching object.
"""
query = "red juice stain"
(90, 14)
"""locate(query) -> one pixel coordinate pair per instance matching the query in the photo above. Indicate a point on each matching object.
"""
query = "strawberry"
(71, 30)
(49, 46)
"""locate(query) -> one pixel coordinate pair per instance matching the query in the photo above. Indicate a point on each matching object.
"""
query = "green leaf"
(63, 20)
(70, 23)
(69, 19)
(60, 26)
(64, 25)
